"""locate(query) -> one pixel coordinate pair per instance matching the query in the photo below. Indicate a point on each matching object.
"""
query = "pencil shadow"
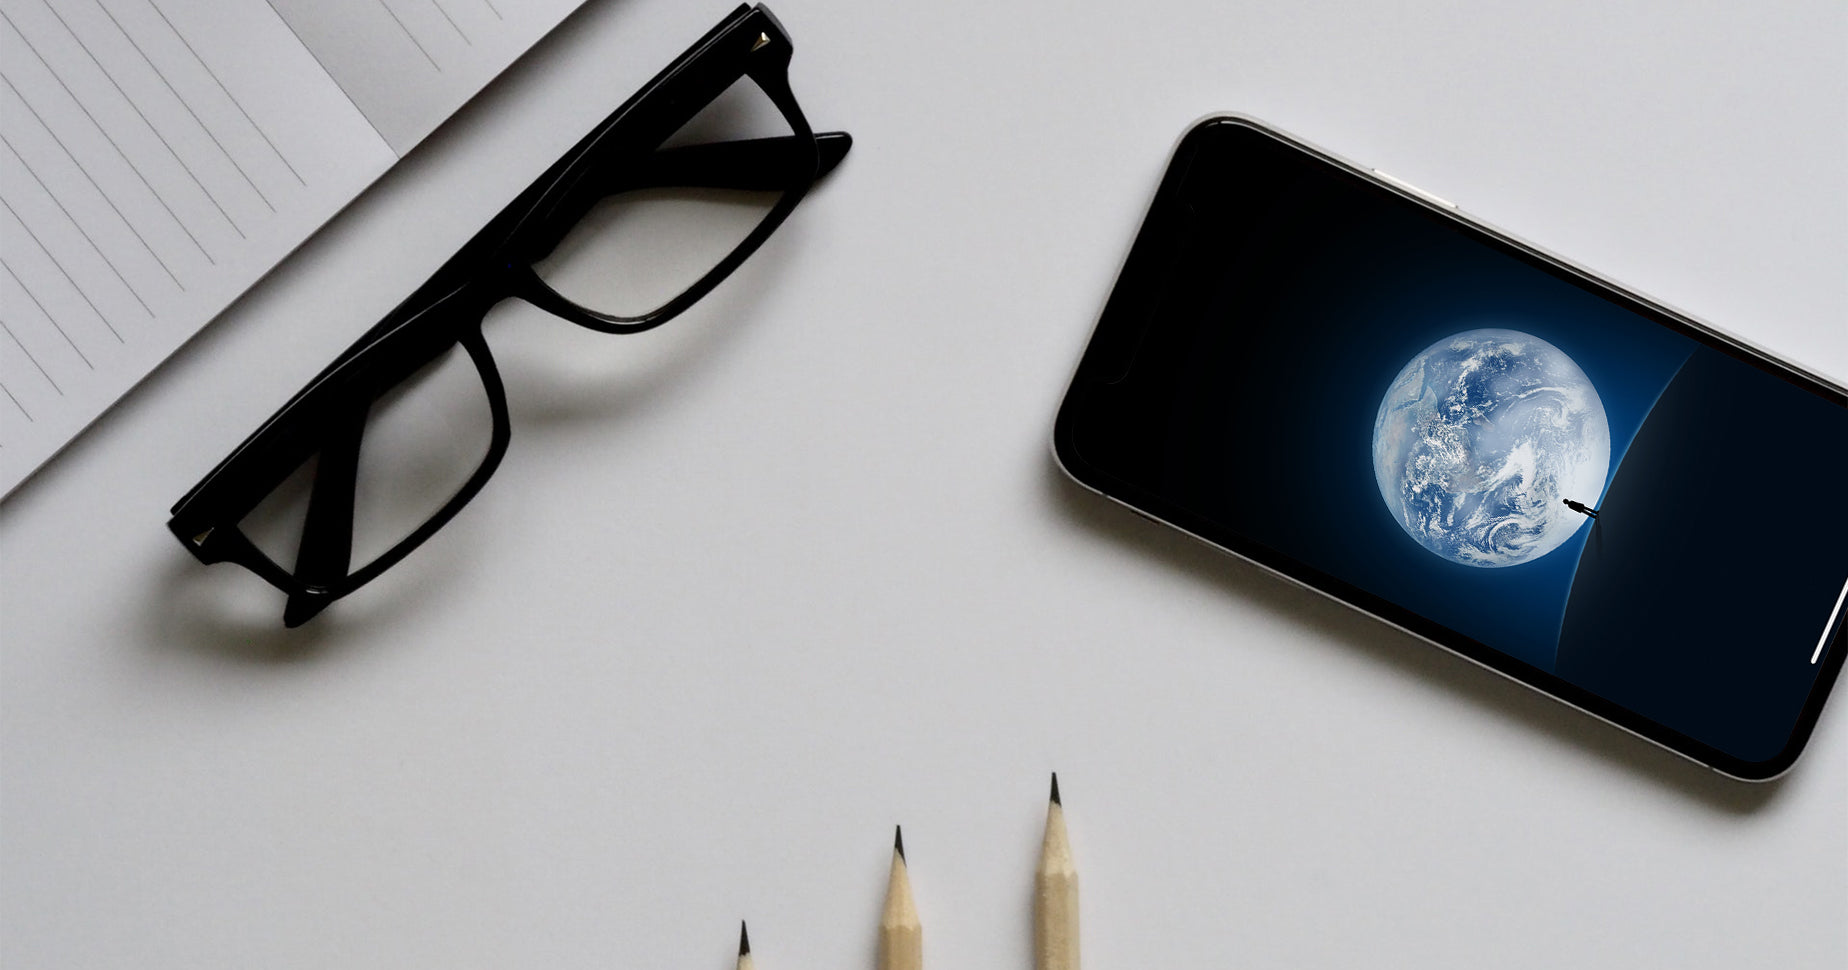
(1389, 647)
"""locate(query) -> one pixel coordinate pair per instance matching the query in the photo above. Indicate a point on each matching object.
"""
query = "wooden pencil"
(1055, 894)
(901, 938)
(744, 948)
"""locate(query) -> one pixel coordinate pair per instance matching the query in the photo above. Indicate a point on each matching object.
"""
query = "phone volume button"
(1415, 190)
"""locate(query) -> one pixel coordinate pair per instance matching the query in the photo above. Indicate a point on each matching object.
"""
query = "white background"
(751, 589)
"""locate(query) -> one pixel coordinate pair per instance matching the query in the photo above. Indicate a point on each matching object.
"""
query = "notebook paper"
(158, 157)
(409, 64)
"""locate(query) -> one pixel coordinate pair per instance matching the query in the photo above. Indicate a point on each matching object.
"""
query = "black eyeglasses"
(638, 152)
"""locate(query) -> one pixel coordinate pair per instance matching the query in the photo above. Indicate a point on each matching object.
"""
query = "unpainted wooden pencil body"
(901, 937)
(1055, 898)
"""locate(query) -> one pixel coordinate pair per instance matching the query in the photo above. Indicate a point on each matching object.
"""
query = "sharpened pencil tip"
(1055, 789)
(898, 840)
(744, 940)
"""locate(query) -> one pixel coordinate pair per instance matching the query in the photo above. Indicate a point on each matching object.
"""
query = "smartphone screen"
(1472, 441)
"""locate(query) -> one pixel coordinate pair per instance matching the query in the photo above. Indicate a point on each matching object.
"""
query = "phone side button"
(1147, 516)
(1415, 190)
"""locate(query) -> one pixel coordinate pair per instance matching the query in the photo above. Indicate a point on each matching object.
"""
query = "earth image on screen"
(1481, 439)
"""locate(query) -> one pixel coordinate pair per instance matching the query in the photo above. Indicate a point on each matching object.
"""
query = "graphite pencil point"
(744, 948)
(901, 938)
(1055, 895)
(898, 840)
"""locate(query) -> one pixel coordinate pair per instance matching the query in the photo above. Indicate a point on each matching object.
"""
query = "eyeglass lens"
(647, 243)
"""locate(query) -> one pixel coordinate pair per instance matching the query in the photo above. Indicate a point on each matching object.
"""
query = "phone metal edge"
(1424, 198)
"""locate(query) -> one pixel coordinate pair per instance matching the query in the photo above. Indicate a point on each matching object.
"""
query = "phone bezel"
(1112, 346)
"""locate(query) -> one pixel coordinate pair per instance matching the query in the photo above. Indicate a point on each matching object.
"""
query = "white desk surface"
(751, 589)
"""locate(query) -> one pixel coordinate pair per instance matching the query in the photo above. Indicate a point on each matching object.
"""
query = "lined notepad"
(157, 157)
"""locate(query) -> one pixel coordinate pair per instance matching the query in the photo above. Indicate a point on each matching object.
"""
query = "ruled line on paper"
(393, 14)
(164, 80)
(408, 64)
(119, 143)
(85, 294)
(10, 397)
(31, 357)
(105, 133)
(34, 358)
(157, 157)
(239, 105)
(53, 196)
(49, 319)
(438, 4)
(84, 170)
(132, 103)
(148, 174)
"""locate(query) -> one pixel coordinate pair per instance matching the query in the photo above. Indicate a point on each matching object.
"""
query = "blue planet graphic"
(1481, 439)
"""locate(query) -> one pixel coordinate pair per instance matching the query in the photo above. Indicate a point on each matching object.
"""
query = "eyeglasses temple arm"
(326, 549)
(757, 164)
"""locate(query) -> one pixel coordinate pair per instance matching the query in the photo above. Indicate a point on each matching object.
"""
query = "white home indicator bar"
(1826, 627)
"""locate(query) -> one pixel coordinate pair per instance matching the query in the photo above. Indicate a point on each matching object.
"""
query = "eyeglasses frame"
(622, 153)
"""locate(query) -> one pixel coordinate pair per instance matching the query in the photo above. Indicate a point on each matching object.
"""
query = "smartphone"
(1355, 385)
